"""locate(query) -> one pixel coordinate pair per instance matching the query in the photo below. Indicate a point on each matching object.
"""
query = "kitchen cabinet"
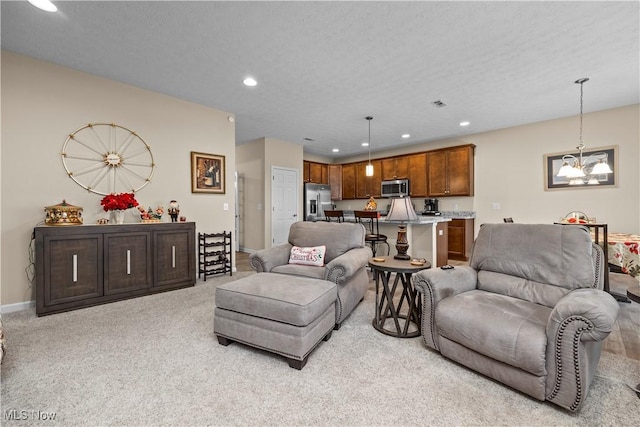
(335, 181)
(324, 174)
(81, 266)
(315, 172)
(305, 171)
(438, 173)
(395, 168)
(450, 171)
(417, 164)
(349, 181)
(460, 238)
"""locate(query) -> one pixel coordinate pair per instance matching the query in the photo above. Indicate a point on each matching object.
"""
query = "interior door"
(284, 203)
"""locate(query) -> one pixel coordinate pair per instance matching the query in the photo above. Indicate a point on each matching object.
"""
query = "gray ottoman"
(284, 314)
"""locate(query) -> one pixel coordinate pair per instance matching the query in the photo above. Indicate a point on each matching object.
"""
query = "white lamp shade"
(575, 172)
(401, 210)
(564, 170)
(601, 168)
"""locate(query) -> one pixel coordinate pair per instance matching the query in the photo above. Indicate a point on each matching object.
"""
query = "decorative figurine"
(372, 205)
(150, 216)
(63, 214)
(174, 210)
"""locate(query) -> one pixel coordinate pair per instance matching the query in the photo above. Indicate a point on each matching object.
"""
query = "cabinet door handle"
(173, 257)
(75, 268)
(128, 261)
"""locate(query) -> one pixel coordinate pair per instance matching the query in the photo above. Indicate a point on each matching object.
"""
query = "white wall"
(250, 167)
(284, 155)
(509, 170)
(42, 103)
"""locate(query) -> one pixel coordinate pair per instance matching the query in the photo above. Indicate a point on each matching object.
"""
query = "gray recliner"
(345, 260)
(528, 311)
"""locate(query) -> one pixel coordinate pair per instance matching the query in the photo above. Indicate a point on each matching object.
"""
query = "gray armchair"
(345, 260)
(528, 311)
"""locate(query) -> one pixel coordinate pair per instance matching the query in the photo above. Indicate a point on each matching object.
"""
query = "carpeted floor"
(155, 361)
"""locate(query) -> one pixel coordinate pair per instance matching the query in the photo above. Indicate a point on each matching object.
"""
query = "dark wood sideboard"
(82, 266)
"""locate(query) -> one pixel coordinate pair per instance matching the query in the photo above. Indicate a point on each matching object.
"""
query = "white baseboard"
(19, 306)
(249, 251)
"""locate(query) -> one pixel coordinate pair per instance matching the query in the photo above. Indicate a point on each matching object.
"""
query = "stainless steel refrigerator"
(317, 199)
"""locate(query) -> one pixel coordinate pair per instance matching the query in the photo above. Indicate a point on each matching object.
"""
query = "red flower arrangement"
(120, 201)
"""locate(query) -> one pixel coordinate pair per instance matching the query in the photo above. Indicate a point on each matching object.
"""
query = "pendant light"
(368, 171)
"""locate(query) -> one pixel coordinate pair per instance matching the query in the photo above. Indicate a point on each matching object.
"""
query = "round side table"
(404, 323)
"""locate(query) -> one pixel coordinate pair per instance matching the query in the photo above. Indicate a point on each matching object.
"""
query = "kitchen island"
(427, 236)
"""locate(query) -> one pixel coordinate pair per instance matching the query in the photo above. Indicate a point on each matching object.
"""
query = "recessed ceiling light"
(45, 5)
(465, 123)
(250, 81)
(406, 135)
(231, 119)
(335, 150)
(365, 144)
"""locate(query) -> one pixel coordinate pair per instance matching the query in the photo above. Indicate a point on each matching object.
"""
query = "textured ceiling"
(323, 66)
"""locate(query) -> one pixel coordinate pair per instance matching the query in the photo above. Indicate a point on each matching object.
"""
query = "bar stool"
(337, 215)
(373, 236)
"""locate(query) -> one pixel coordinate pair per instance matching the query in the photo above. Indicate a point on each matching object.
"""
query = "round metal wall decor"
(106, 158)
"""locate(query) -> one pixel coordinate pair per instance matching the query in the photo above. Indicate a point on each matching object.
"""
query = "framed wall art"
(207, 173)
(592, 179)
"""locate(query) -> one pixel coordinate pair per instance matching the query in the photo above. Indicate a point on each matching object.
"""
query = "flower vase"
(117, 216)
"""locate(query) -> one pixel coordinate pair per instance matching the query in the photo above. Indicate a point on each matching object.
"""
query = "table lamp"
(402, 210)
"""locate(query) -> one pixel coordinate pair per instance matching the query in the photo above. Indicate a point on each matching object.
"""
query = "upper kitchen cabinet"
(305, 171)
(450, 171)
(349, 181)
(315, 172)
(324, 174)
(395, 168)
(335, 181)
(417, 164)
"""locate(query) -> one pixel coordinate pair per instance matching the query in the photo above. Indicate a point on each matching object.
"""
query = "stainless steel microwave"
(395, 188)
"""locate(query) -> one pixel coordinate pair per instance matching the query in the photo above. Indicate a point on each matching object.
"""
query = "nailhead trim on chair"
(432, 318)
(338, 301)
(598, 263)
(576, 360)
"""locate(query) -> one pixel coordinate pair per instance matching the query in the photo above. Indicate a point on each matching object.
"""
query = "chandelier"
(581, 170)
